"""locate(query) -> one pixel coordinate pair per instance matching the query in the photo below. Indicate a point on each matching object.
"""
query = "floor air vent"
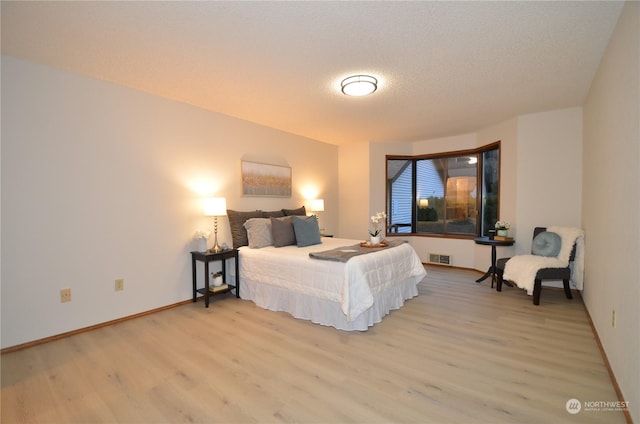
(437, 258)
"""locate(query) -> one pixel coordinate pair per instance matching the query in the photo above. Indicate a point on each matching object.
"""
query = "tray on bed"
(373, 246)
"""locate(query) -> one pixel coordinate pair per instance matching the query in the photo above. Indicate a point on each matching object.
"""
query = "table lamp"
(215, 206)
(317, 205)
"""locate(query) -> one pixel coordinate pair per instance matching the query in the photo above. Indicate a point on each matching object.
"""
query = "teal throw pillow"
(307, 230)
(546, 244)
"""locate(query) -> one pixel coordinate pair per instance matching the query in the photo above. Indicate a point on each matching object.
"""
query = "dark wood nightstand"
(207, 257)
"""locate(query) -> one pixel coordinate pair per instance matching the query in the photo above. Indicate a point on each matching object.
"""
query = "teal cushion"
(307, 231)
(546, 244)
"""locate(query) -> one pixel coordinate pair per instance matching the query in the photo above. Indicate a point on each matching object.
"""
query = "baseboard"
(429, 264)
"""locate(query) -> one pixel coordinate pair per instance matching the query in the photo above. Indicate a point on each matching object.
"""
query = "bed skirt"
(326, 312)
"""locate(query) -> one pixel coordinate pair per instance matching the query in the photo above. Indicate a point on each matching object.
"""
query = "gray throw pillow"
(301, 211)
(236, 222)
(276, 214)
(282, 231)
(259, 232)
(307, 231)
(546, 244)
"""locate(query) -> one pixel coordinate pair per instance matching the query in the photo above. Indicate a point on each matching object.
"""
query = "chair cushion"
(546, 244)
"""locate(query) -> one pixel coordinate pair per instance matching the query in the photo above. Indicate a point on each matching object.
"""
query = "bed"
(350, 295)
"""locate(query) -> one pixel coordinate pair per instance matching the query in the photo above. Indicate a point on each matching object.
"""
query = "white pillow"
(259, 232)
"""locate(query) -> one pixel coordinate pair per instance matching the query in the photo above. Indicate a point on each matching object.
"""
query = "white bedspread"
(353, 285)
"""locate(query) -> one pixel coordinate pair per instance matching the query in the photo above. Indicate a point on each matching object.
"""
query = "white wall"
(549, 182)
(354, 194)
(102, 182)
(611, 203)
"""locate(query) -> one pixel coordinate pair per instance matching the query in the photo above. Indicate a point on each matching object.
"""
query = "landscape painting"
(260, 179)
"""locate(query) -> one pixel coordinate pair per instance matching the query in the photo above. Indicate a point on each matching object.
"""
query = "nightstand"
(207, 257)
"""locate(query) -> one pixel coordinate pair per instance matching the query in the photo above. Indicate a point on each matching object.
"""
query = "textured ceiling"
(444, 67)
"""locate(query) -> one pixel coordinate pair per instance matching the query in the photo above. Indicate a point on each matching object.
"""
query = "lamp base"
(215, 249)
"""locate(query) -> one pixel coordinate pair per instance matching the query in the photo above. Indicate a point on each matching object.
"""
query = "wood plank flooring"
(460, 352)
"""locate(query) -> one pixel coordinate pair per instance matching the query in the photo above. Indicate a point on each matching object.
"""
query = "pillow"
(282, 231)
(300, 211)
(307, 231)
(546, 244)
(236, 222)
(275, 214)
(259, 232)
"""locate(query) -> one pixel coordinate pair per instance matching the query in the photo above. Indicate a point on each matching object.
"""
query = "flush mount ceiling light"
(359, 85)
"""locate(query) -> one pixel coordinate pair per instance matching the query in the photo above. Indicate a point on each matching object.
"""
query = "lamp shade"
(316, 205)
(215, 206)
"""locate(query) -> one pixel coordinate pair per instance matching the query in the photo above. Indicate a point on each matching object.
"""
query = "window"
(447, 194)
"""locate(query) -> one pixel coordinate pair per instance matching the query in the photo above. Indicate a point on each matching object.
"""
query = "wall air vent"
(439, 259)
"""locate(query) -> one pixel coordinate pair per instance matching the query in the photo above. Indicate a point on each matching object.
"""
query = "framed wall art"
(261, 179)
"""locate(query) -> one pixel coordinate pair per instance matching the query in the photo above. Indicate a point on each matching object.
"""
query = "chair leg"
(537, 288)
(567, 289)
(499, 280)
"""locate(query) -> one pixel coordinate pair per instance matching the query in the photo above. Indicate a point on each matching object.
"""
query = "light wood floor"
(458, 353)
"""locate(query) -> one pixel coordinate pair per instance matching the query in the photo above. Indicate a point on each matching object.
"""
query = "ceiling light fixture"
(359, 85)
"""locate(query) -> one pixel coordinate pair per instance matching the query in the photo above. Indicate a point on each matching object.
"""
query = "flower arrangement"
(202, 234)
(376, 220)
(200, 237)
(502, 225)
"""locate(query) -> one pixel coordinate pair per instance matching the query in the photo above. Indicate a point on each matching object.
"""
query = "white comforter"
(352, 284)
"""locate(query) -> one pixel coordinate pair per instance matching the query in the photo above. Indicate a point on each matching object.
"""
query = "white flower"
(376, 220)
(202, 234)
(502, 225)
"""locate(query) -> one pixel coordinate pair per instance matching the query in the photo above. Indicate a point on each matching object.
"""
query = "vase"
(202, 244)
(374, 240)
(502, 233)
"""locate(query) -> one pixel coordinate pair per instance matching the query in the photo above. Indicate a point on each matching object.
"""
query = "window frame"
(479, 152)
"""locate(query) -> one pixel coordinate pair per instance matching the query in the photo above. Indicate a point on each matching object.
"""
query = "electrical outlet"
(120, 284)
(613, 318)
(65, 295)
